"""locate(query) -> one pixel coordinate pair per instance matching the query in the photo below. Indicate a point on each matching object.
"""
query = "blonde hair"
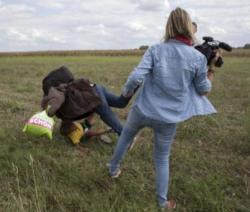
(179, 24)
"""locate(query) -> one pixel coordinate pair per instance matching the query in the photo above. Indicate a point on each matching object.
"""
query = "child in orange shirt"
(77, 130)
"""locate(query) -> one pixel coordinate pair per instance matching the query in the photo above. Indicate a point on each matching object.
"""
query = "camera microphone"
(225, 46)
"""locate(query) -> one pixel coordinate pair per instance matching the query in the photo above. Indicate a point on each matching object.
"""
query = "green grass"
(210, 159)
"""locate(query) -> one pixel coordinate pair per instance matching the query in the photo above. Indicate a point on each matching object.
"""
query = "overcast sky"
(34, 25)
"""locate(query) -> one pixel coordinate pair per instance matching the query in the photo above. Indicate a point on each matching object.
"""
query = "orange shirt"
(77, 134)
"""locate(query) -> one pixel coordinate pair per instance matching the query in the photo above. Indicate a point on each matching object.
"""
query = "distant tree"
(143, 47)
(247, 46)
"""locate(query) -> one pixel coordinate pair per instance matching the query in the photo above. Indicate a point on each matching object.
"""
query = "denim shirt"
(173, 76)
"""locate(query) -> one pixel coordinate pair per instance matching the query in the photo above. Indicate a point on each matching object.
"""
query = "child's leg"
(92, 133)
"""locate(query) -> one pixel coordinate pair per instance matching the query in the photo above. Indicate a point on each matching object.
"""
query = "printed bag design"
(40, 124)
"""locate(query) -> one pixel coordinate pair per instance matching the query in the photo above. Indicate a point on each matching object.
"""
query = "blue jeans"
(104, 111)
(163, 138)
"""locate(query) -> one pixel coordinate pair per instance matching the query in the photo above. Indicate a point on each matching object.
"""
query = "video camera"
(209, 47)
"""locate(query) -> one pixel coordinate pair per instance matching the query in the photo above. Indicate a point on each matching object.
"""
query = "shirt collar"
(184, 40)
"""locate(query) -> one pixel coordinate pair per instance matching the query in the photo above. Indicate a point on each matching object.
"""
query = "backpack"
(63, 75)
(56, 77)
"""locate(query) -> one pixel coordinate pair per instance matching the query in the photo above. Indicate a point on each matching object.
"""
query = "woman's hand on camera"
(213, 61)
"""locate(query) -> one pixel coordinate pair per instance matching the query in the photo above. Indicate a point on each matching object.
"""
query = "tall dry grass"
(135, 52)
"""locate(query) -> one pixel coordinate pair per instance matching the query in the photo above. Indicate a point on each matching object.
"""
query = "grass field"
(210, 159)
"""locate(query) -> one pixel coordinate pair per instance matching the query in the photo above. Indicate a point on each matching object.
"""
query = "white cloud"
(149, 5)
(211, 3)
(32, 35)
(12, 11)
(57, 39)
(217, 31)
(36, 33)
(136, 26)
(248, 26)
(98, 29)
(55, 4)
(160, 28)
(79, 29)
(191, 13)
(52, 4)
(13, 34)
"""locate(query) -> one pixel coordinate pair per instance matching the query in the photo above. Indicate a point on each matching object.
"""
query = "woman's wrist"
(211, 66)
(210, 70)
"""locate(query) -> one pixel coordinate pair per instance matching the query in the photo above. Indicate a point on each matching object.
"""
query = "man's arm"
(54, 99)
